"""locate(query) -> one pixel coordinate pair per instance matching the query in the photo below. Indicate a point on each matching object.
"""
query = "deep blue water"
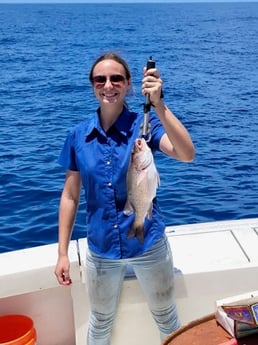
(208, 58)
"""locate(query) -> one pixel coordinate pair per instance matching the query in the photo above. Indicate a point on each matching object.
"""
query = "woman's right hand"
(62, 270)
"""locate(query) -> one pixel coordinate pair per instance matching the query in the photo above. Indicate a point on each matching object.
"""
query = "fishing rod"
(145, 133)
(145, 127)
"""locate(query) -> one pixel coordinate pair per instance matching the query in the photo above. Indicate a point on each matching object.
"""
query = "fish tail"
(137, 230)
(140, 234)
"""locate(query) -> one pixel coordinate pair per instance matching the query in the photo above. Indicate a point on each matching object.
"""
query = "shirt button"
(115, 226)
(109, 184)
(108, 162)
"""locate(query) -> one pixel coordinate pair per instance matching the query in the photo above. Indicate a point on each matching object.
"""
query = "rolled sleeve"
(67, 156)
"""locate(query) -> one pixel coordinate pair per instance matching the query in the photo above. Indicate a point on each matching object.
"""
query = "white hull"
(212, 260)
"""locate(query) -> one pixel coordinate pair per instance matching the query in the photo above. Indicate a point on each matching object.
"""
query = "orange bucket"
(17, 330)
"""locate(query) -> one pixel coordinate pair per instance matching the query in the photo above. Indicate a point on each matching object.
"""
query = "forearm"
(176, 142)
(67, 214)
(182, 147)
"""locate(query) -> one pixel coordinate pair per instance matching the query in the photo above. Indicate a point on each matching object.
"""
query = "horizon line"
(121, 1)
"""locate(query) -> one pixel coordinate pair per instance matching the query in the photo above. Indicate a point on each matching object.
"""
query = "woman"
(96, 154)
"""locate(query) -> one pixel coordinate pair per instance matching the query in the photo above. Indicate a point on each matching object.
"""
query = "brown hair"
(111, 56)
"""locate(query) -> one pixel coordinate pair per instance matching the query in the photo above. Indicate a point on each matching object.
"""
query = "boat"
(213, 260)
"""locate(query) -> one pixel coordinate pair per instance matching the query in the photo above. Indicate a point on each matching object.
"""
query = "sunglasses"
(115, 79)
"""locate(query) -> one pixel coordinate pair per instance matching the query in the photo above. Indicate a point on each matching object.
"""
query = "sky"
(113, 1)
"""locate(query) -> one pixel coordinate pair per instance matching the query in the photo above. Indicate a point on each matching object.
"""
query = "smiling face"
(110, 83)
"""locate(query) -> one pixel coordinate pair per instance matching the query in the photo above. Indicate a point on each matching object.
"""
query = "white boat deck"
(213, 246)
(212, 261)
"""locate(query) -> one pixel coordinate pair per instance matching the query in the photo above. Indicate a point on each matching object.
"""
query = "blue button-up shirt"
(102, 159)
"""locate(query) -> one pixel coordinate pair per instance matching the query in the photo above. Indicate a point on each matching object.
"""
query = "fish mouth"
(139, 142)
(139, 145)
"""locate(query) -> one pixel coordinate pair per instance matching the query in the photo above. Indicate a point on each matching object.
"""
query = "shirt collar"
(122, 124)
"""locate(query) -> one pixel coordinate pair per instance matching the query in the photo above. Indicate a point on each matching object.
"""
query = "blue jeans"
(154, 271)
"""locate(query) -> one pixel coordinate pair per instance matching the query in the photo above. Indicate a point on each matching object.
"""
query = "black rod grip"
(147, 103)
(151, 63)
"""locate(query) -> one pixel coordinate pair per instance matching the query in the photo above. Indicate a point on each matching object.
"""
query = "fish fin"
(149, 213)
(136, 230)
(158, 179)
(140, 234)
(128, 209)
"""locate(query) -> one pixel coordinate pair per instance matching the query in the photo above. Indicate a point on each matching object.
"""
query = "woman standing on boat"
(96, 154)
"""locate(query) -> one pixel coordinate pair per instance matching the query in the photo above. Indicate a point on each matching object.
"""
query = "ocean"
(207, 54)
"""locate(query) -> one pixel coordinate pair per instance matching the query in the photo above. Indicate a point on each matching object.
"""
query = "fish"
(142, 182)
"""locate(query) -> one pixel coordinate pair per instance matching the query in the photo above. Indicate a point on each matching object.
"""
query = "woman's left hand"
(152, 85)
